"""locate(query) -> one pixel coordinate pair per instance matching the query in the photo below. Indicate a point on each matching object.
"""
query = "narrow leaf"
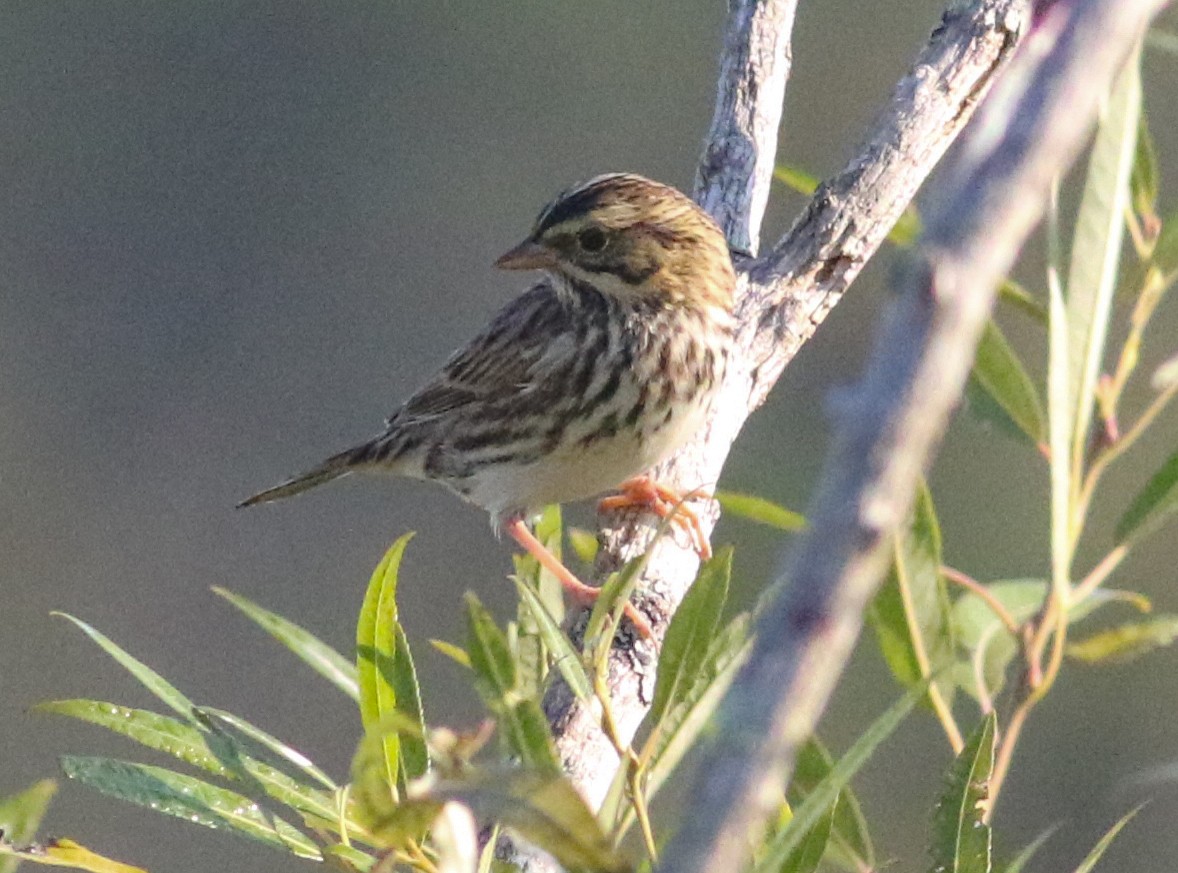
(760, 510)
(153, 681)
(567, 659)
(62, 853)
(1093, 857)
(521, 720)
(961, 836)
(1096, 245)
(692, 629)
(312, 651)
(214, 754)
(911, 612)
(457, 654)
(20, 816)
(1013, 294)
(1001, 374)
(806, 857)
(819, 800)
(850, 845)
(184, 797)
(1126, 642)
(1153, 505)
(376, 651)
(1019, 861)
(414, 752)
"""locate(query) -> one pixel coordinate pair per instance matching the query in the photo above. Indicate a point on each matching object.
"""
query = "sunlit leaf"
(62, 853)
(457, 654)
(20, 816)
(153, 681)
(541, 806)
(910, 613)
(376, 635)
(1127, 641)
(1090, 861)
(819, 800)
(1156, 502)
(1096, 245)
(849, 845)
(961, 840)
(567, 659)
(219, 721)
(977, 627)
(583, 543)
(190, 799)
(693, 627)
(808, 854)
(796, 179)
(1143, 180)
(760, 510)
(523, 724)
(312, 651)
(1000, 373)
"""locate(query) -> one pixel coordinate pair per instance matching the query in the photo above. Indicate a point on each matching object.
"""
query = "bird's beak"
(528, 255)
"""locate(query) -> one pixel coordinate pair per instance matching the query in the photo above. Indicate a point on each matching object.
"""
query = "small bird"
(604, 367)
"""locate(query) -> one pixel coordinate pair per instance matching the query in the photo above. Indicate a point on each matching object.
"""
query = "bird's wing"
(525, 348)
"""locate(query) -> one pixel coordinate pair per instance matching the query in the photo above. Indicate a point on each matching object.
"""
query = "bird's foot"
(581, 593)
(643, 492)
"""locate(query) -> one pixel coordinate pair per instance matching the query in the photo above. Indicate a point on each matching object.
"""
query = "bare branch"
(1029, 130)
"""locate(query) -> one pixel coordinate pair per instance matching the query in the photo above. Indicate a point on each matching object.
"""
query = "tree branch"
(782, 298)
(1028, 132)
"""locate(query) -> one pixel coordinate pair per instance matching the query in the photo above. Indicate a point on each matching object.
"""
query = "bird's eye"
(591, 240)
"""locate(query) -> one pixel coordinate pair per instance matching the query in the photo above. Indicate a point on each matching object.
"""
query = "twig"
(983, 594)
(1030, 128)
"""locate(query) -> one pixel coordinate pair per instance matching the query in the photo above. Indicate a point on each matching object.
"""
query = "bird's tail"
(334, 467)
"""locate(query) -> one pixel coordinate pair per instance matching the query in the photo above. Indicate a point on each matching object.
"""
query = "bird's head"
(631, 238)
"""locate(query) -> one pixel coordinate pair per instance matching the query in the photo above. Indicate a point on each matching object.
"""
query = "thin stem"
(984, 594)
(629, 760)
(1006, 751)
(1113, 452)
(1099, 573)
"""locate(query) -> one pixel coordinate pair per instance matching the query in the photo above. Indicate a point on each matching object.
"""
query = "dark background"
(234, 235)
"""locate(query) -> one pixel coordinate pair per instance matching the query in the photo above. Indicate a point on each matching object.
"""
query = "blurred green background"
(234, 235)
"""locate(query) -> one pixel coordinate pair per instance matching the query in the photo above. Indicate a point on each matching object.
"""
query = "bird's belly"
(577, 471)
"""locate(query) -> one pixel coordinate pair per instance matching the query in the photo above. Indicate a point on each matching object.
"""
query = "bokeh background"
(234, 235)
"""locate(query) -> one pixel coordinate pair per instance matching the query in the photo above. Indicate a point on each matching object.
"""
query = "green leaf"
(524, 727)
(688, 712)
(807, 856)
(567, 659)
(312, 651)
(849, 845)
(212, 753)
(961, 835)
(796, 179)
(153, 681)
(191, 799)
(457, 654)
(1152, 505)
(1164, 257)
(541, 806)
(1096, 246)
(999, 372)
(1090, 861)
(692, 629)
(583, 543)
(20, 816)
(376, 633)
(1023, 858)
(1144, 178)
(415, 761)
(63, 853)
(1017, 297)
(979, 631)
(1126, 642)
(760, 510)
(819, 800)
(221, 723)
(911, 614)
